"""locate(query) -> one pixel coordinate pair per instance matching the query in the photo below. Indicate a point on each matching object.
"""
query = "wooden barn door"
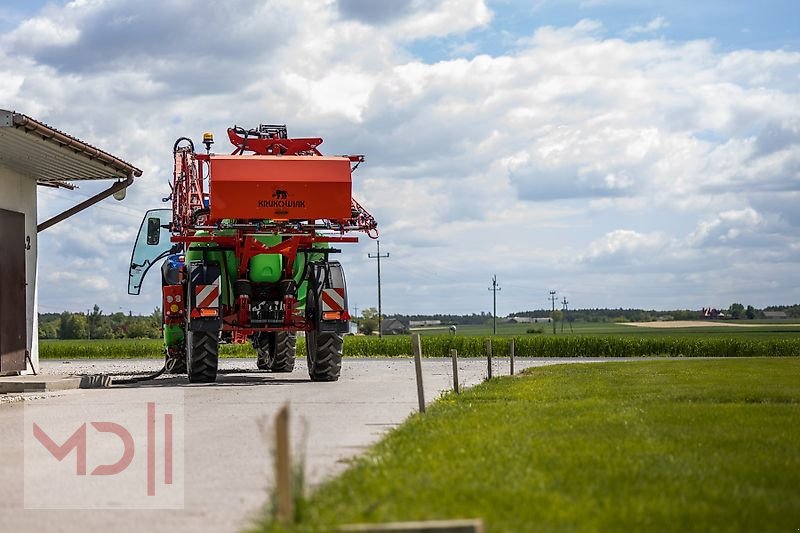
(12, 292)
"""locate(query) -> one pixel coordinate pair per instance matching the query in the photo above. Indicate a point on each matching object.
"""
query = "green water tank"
(266, 268)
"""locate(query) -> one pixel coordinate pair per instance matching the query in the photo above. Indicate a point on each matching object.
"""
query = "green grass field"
(678, 445)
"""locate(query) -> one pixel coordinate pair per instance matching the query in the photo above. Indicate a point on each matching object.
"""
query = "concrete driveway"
(227, 430)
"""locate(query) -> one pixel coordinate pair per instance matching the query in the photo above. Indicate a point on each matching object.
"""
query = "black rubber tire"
(261, 344)
(175, 361)
(282, 349)
(324, 351)
(202, 356)
(276, 351)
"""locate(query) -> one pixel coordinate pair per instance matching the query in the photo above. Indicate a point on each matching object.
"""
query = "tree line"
(735, 311)
(97, 325)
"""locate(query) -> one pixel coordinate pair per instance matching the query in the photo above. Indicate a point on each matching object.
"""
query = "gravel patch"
(25, 396)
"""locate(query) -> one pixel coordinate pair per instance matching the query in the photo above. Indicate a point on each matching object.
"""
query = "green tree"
(736, 311)
(156, 318)
(93, 320)
(48, 330)
(99, 325)
(72, 326)
(369, 321)
(750, 313)
(118, 323)
(142, 328)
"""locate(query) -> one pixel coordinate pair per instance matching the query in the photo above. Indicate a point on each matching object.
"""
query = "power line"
(494, 288)
(378, 256)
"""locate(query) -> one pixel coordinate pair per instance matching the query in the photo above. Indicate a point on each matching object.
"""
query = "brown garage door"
(12, 291)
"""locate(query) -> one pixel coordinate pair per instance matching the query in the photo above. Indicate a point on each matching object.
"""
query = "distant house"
(777, 315)
(520, 320)
(710, 312)
(392, 326)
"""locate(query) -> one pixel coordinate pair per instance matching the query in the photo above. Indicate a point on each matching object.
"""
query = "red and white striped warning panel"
(206, 295)
(332, 300)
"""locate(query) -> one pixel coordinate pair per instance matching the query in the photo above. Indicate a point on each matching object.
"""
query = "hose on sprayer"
(138, 379)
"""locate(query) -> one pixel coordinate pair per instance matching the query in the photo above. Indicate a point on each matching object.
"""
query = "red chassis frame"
(191, 215)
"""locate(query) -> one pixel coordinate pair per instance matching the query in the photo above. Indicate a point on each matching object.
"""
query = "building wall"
(18, 193)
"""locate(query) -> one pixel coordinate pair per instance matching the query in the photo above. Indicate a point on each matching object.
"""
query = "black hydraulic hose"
(138, 379)
(187, 139)
(197, 213)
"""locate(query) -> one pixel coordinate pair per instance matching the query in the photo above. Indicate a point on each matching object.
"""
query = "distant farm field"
(586, 340)
(737, 328)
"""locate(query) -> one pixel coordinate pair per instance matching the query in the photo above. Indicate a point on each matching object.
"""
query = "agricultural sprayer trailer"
(246, 252)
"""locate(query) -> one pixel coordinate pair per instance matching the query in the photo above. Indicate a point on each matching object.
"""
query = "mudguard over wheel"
(276, 351)
(202, 356)
(324, 350)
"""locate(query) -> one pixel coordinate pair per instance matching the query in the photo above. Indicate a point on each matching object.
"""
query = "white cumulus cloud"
(524, 162)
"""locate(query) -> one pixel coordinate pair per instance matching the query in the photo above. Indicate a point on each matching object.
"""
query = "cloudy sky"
(624, 156)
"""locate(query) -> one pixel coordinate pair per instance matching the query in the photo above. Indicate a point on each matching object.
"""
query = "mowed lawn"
(674, 445)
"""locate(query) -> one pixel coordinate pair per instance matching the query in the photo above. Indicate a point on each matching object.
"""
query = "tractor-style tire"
(175, 361)
(202, 356)
(276, 351)
(282, 349)
(261, 344)
(324, 352)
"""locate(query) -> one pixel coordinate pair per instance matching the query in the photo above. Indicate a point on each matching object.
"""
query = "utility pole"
(564, 303)
(553, 316)
(494, 288)
(567, 317)
(378, 256)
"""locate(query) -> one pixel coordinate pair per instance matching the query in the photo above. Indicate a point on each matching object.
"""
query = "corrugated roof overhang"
(53, 158)
(39, 151)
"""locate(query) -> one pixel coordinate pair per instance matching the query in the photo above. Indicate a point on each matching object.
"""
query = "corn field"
(578, 346)
(440, 346)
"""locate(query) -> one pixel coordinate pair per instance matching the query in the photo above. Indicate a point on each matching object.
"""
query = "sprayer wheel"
(261, 344)
(202, 356)
(283, 348)
(276, 351)
(324, 352)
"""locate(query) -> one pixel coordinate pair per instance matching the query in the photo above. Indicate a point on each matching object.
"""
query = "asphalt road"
(227, 435)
